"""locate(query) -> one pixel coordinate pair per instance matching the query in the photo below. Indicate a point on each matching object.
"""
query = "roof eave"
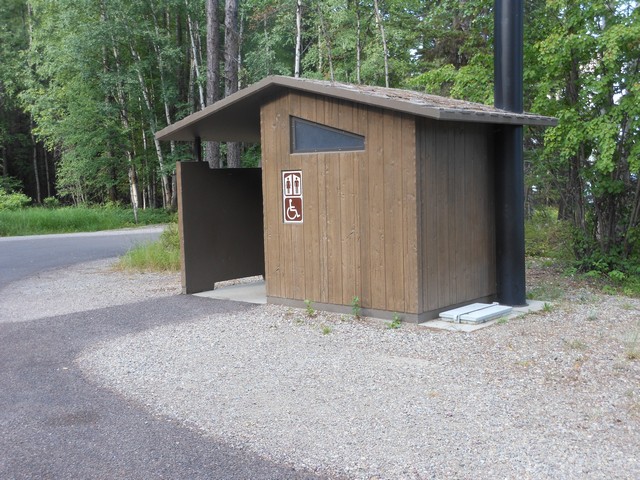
(242, 120)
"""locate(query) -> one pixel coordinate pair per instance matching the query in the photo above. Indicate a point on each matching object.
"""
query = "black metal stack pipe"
(509, 187)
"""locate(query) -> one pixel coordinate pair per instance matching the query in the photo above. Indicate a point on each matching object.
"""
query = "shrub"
(13, 201)
(51, 202)
(546, 236)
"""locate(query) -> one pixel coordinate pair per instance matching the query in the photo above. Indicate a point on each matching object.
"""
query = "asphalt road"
(21, 257)
(56, 424)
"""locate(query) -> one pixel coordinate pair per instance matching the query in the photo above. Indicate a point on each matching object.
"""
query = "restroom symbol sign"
(292, 196)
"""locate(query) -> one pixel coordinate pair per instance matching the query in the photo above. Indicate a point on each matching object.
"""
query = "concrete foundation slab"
(243, 292)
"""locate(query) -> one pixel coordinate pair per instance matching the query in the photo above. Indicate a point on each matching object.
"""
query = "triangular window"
(309, 137)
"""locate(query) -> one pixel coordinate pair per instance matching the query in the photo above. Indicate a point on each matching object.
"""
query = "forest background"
(85, 84)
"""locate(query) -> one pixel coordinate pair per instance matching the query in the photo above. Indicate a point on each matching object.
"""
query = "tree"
(231, 54)
(590, 67)
(212, 149)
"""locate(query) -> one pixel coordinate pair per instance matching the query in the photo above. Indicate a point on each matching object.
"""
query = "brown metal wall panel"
(221, 224)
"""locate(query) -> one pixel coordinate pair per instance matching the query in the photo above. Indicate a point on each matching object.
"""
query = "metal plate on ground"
(457, 312)
(486, 314)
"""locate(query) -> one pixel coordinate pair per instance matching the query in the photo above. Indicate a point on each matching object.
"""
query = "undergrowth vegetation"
(41, 220)
(159, 256)
(560, 244)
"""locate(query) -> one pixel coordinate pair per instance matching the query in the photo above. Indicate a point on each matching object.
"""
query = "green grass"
(38, 220)
(160, 256)
(547, 237)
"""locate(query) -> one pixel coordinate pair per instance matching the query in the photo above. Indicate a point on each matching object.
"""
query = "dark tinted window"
(309, 137)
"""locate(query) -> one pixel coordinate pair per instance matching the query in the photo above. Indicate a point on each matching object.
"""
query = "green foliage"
(38, 220)
(10, 184)
(252, 156)
(546, 236)
(13, 201)
(51, 202)
(159, 256)
(355, 307)
(311, 312)
(396, 322)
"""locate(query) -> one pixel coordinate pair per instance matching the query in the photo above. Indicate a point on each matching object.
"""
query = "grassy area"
(38, 220)
(550, 243)
(159, 256)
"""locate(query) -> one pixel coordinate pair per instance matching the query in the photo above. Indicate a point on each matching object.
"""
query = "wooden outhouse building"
(378, 194)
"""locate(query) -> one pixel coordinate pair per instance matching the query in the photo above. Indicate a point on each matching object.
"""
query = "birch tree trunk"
(33, 139)
(384, 42)
(35, 164)
(163, 83)
(124, 119)
(196, 55)
(231, 49)
(46, 171)
(166, 184)
(358, 42)
(212, 149)
(296, 69)
(327, 41)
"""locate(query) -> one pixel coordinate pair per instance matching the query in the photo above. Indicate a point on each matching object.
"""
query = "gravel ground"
(86, 286)
(549, 395)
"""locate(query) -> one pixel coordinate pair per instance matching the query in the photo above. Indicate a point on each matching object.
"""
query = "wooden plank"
(283, 163)
(364, 210)
(346, 163)
(296, 253)
(453, 201)
(476, 193)
(442, 214)
(488, 148)
(393, 228)
(377, 209)
(334, 243)
(462, 220)
(430, 212)
(322, 211)
(270, 189)
(306, 109)
(410, 215)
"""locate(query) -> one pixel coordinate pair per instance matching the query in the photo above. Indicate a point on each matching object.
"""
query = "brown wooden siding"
(457, 213)
(360, 231)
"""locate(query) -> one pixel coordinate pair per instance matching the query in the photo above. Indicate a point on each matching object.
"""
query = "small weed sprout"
(326, 330)
(546, 308)
(633, 345)
(576, 344)
(309, 308)
(396, 321)
(502, 321)
(355, 307)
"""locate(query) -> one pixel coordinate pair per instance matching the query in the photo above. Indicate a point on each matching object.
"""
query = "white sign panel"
(292, 196)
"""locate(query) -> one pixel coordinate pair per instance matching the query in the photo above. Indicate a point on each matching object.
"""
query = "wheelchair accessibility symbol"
(292, 196)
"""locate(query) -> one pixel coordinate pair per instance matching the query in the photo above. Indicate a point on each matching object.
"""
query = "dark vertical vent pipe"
(509, 188)
(197, 149)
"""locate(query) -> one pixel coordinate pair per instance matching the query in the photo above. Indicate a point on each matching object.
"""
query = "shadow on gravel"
(56, 424)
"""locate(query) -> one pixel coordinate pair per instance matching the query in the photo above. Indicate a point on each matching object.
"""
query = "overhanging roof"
(237, 117)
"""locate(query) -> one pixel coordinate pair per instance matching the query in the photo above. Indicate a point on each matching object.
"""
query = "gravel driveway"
(548, 395)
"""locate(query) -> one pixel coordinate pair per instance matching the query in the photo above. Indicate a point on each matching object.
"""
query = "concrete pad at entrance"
(254, 292)
(532, 306)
